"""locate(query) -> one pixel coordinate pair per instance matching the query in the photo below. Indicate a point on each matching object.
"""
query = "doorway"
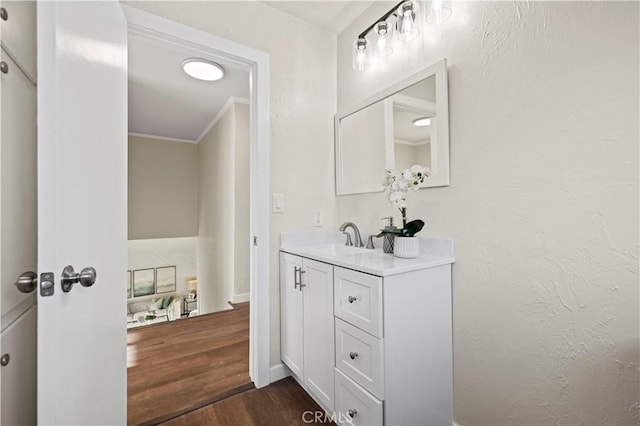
(256, 63)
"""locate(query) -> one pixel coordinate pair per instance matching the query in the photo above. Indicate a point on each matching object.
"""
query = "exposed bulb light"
(360, 54)
(407, 24)
(422, 122)
(203, 69)
(383, 32)
(438, 13)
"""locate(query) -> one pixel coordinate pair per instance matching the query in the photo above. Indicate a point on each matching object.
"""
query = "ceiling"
(167, 103)
(331, 15)
(404, 129)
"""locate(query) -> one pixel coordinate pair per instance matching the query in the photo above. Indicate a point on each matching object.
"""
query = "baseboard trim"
(240, 298)
(278, 372)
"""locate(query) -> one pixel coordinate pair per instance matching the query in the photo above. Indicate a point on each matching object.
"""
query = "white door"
(291, 334)
(82, 178)
(318, 330)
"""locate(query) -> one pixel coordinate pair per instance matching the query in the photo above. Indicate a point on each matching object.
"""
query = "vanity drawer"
(358, 299)
(354, 405)
(359, 356)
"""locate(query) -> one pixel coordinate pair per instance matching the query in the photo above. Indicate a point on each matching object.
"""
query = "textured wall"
(163, 189)
(543, 204)
(303, 100)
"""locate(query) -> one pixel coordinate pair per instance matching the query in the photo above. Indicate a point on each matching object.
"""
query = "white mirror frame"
(439, 131)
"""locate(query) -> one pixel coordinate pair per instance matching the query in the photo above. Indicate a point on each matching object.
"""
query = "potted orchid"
(397, 185)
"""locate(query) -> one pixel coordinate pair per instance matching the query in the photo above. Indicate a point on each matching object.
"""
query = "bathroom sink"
(329, 247)
(339, 250)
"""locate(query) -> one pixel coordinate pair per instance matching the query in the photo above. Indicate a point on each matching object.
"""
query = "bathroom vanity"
(366, 334)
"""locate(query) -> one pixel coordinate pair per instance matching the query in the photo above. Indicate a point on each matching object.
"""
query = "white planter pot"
(406, 247)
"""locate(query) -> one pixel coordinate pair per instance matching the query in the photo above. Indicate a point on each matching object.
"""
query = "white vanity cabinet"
(306, 289)
(394, 347)
(391, 331)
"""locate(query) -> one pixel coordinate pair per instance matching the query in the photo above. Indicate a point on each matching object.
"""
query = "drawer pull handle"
(353, 355)
(352, 299)
(352, 413)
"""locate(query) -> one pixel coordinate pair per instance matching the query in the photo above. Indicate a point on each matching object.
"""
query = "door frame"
(257, 63)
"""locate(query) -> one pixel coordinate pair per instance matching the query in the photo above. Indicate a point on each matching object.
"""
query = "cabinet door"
(19, 35)
(318, 330)
(291, 337)
(19, 192)
(19, 375)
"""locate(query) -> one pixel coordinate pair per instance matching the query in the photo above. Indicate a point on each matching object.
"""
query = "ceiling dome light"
(422, 122)
(203, 69)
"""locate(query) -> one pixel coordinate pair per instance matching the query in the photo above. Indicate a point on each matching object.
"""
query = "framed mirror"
(406, 124)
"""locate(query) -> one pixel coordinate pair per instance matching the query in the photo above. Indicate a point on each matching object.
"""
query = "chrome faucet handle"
(349, 242)
(370, 244)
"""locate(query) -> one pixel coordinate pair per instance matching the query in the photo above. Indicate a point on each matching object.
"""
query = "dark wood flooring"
(179, 366)
(279, 404)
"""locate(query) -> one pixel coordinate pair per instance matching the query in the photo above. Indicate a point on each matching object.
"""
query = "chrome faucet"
(356, 234)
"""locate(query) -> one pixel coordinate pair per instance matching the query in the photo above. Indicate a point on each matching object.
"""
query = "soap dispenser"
(388, 233)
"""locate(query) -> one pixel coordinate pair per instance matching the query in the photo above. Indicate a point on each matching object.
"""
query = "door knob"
(27, 282)
(86, 277)
(353, 355)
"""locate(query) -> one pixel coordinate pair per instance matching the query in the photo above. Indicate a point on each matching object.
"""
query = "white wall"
(154, 253)
(216, 207)
(543, 204)
(303, 99)
(242, 239)
(162, 189)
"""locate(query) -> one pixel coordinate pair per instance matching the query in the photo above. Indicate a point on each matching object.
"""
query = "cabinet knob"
(4, 67)
(351, 299)
(3, 14)
(353, 355)
(4, 360)
(352, 413)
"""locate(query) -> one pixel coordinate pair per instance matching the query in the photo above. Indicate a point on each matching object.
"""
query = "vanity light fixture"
(203, 69)
(407, 26)
(422, 122)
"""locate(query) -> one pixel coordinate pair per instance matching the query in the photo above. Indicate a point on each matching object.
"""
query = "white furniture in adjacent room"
(390, 333)
(138, 310)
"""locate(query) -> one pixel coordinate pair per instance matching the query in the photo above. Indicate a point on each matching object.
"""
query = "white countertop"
(328, 247)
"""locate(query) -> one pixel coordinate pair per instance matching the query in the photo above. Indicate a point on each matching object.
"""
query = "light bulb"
(383, 32)
(438, 13)
(407, 24)
(360, 55)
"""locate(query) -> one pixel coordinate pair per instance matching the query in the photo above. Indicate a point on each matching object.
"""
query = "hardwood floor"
(281, 403)
(180, 366)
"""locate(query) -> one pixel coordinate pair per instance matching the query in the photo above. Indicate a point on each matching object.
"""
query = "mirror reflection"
(397, 128)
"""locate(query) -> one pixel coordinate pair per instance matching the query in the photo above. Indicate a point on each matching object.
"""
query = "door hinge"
(255, 240)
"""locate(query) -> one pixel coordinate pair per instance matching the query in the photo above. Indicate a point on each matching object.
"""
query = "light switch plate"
(317, 218)
(277, 203)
